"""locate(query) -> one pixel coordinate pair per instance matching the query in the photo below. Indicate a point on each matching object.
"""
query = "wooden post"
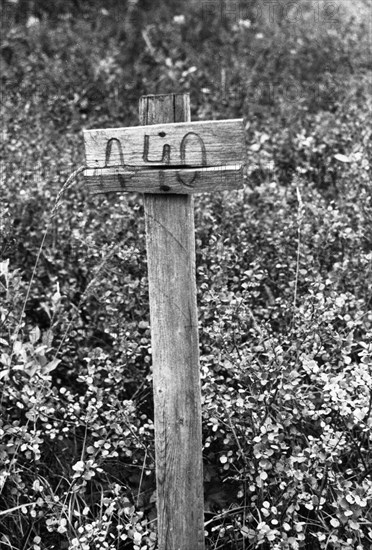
(174, 335)
(168, 159)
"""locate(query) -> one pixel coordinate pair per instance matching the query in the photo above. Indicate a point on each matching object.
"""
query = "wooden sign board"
(181, 158)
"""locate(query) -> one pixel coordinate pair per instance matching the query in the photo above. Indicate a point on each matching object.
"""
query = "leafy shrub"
(283, 270)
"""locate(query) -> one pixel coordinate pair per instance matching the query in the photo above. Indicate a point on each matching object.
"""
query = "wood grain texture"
(164, 181)
(174, 335)
(203, 143)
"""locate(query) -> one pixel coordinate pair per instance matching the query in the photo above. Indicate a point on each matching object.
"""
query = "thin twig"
(67, 184)
(299, 220)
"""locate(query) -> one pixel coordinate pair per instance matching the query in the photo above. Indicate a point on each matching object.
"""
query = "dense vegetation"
(284, 274)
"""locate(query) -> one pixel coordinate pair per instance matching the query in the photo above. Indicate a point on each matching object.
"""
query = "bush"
(283, 273)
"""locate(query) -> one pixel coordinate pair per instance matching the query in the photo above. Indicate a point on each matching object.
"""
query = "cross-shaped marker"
(168, 159)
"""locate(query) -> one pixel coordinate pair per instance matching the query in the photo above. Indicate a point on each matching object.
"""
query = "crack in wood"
(140, 168)
(150, 216)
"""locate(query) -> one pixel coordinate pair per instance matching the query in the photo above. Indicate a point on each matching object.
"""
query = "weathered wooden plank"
(164, 181)
(203, 143)
(174, 336)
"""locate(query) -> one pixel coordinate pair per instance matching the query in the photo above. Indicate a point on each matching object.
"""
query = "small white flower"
(32, 21)
(79, 466)
(179, 19)
(244, 23)
(37, 487)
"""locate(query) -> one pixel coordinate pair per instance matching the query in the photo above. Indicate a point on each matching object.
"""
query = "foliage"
(284, 272)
